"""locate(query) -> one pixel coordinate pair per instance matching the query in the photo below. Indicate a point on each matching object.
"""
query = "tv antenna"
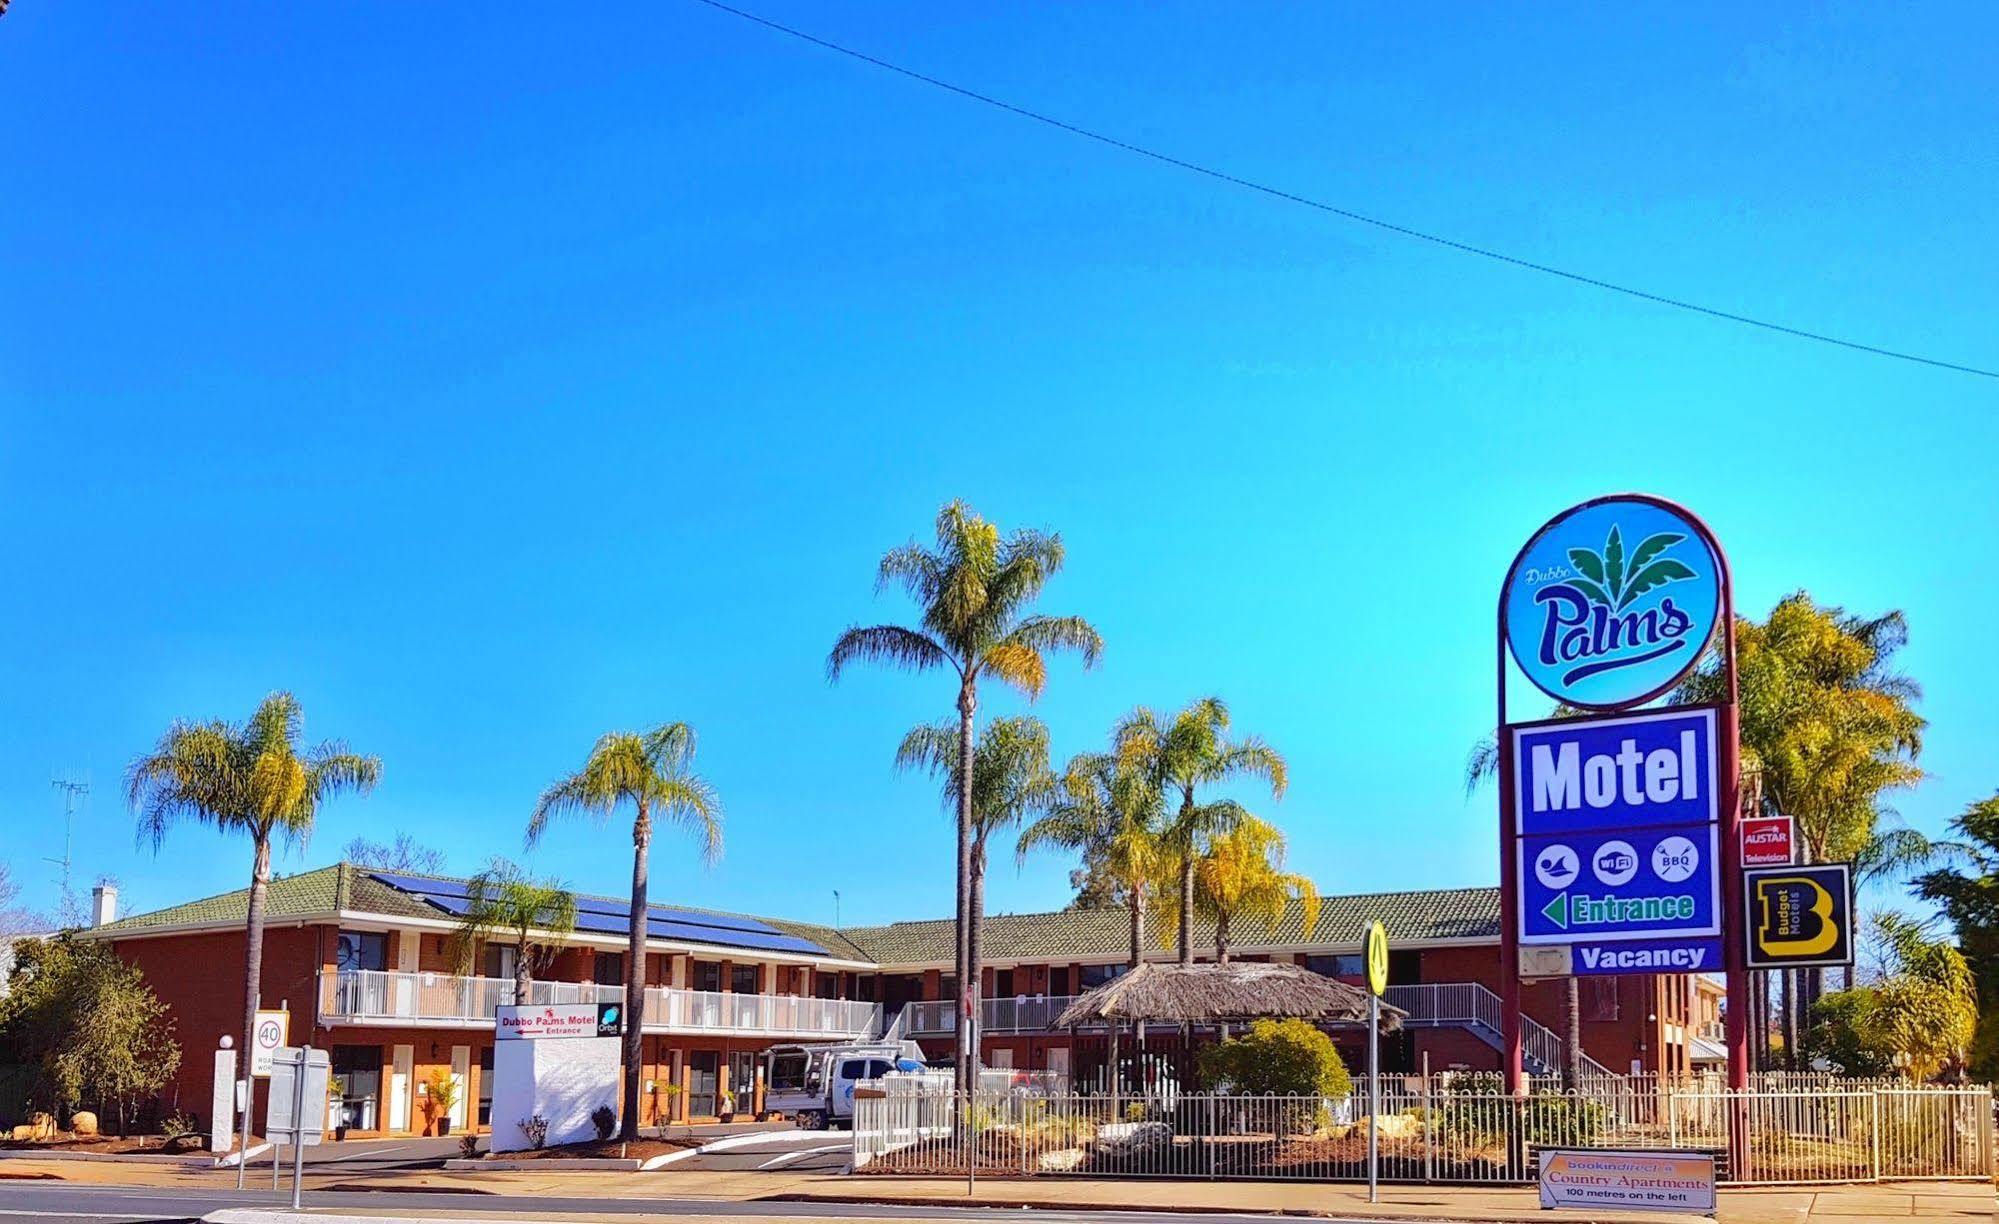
(71, 792)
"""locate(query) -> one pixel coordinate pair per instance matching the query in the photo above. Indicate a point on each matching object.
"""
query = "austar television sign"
(1612, 601)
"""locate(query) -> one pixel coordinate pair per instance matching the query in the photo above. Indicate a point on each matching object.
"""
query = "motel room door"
(402, 1068)
(704, 1074)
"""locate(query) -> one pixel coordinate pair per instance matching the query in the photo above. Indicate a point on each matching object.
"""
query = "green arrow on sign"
(1558, 910)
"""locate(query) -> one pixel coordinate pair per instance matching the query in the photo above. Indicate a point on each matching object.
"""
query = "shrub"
(1284, 1057)
(468, 1146)
(605, 1119)
(535, 1130)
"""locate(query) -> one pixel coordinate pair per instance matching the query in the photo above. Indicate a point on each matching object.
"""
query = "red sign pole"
(1512, 1065)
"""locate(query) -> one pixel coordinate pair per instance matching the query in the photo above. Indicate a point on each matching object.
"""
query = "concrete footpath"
(1773, 1205)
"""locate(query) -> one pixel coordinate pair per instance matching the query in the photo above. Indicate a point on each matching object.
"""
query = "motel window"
(947, 986)
(827, 986)
(1058, 980)
(1003, 984)
(1096, 975)
(359, 951)
(743, 979)
(609, 969)
(705, 975)
(1337, 966)
(1600, 998)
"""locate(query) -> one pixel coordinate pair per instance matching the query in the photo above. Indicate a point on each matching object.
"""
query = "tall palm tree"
(251, 778)
(1482, 766)
(973, 592)
(1111, 815)
(1011, 781)
(1242, 876)
(1191, 751)
(654, 772)
(505, 899)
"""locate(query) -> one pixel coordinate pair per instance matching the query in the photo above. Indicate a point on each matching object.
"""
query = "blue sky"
(496, 378)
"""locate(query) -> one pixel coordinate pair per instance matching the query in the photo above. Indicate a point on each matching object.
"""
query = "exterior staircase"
(1477, 1010)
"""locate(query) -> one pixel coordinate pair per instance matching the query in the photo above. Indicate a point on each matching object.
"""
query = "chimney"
(103, 904)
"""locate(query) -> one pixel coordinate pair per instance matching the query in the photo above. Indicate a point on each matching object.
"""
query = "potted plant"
(443, 1093)
(726, 1110)
(336, 1092)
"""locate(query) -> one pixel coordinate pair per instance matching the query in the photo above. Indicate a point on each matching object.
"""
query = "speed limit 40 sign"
(272, 1029)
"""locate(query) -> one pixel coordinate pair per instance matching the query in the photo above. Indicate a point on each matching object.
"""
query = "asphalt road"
(56, 1201)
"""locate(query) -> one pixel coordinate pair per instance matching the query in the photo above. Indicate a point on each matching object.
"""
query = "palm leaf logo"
(1606, 578)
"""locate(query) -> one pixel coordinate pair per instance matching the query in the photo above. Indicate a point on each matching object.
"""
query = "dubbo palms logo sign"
(1612, 601)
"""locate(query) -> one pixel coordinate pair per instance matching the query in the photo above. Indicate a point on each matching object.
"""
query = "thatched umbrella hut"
(1221, 994)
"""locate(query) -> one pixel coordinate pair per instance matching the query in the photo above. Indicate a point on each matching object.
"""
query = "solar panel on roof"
(602, 916)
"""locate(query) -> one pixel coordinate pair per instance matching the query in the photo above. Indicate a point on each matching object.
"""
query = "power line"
(1347, 213)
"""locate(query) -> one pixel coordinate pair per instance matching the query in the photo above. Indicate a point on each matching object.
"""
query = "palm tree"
(1111, 815)
(1242, 876)
(652, 771)
(504, 898)
(1483, 766)
(973, 591)
(1192, 751)
(244, 778)
(1010, 782)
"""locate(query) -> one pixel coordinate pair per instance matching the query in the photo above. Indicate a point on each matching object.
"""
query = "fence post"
(1672, 1119)
(1429, 1125)
(1874, 1130)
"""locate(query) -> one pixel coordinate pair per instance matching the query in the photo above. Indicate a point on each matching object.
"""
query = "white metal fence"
(1428, 1133)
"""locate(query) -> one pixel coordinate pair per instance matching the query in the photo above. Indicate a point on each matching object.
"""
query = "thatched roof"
(1206, 994)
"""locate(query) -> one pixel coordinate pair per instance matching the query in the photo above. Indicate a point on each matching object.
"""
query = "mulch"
(111, 1145)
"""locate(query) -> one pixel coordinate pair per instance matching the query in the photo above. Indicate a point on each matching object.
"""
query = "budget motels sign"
(1617, 842)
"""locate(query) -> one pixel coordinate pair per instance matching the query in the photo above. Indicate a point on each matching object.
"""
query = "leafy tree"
(15, 920)
(1280, 1057)
(1841, 1031)
(1111, 814)
(1829, 721)
(1181, 755)
(653, 772)
(1969, 896)
(1241, 875)
(505, 899)
(1011, 782)
(251, 778)
(973, 592)
(1918, 1018)
(405, 853)
(88, 1024)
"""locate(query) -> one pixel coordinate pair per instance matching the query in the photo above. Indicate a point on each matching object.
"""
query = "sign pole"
(298, 1121)
(1373, 1094)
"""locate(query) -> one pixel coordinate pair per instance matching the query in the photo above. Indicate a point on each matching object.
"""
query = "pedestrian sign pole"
(1377, 985)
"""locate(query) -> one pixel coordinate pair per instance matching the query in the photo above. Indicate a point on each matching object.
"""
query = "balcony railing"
(441, 998)
(1014, 1014)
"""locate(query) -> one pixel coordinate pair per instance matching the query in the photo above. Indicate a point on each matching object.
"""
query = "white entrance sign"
(537, 1022)
(1631, 1181)
(272, 1029)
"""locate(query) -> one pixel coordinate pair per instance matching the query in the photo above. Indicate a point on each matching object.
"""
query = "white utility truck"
(815, 1083)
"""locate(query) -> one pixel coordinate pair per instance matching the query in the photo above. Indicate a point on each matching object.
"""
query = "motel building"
(359, 960)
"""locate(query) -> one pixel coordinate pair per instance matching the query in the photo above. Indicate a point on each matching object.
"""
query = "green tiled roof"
(308, 894)
(1411, 917)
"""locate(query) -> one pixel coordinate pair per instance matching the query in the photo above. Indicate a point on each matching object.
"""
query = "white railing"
(1014, 1014)
(443, 998)
(1428, 1133)
(1470, 1003)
